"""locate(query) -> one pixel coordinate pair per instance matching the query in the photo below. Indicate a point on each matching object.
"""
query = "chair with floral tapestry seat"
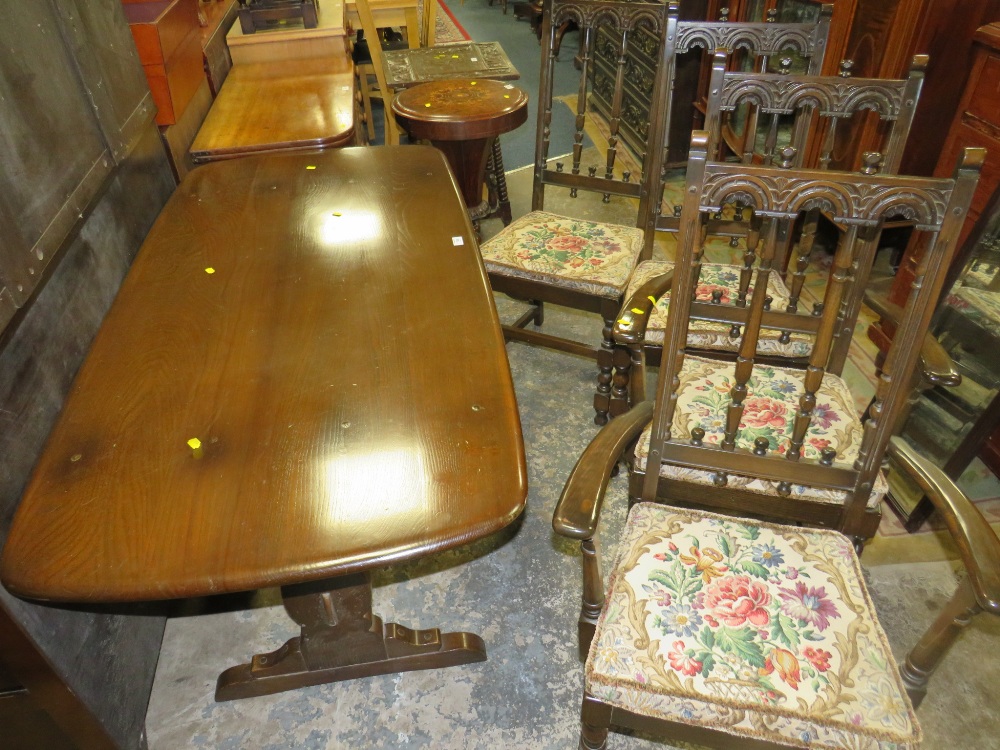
(575, 262)
(780, 442)
(799, 118)
(733, 633)
(583, 264)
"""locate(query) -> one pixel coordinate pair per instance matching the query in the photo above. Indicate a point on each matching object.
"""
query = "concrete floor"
(520, 591)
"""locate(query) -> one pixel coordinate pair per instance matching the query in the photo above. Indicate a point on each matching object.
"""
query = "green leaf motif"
(783, 629)
(749, 532)
(811, 636)
(755, 569)
(741, 643)
(707, 663)
(664, 577)
(724, 547)
(707, 637)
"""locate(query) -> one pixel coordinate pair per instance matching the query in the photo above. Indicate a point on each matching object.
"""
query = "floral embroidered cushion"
(768, 411)
(706, 335)
(754, 629)
(582, 255)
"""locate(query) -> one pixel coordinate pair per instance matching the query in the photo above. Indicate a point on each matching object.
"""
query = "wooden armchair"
(776, 441)
(733, 633)
(586, 265)
(799, 118)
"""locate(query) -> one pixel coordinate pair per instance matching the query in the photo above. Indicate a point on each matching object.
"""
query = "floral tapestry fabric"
(754, 629)
(703, 397)
(585, 256)
(714, 336)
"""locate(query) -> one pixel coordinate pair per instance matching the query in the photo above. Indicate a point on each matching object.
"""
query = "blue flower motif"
(783, 386)
(767, 555)
(680, 619)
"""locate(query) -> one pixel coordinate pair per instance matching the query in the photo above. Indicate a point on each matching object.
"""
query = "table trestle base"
(341, 639)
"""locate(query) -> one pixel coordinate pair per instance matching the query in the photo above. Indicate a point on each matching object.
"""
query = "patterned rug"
(447, 29)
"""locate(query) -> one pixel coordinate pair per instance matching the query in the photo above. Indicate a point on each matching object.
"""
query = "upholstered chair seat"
(758, 630)
(724, 280)
(768, 413)
(584, 256)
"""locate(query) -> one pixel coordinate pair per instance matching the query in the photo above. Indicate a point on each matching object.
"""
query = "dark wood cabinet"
(640, 72)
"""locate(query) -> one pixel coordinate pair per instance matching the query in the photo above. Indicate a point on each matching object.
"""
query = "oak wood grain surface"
(317, 367)
(282, 105)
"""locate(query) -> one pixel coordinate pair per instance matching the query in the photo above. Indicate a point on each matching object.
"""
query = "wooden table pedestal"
(342, 639)
(463, 118)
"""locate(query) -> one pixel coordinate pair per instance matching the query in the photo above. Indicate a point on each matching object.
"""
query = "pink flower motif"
(819, 444)
(809, 604)
(682, 662)
(704, 292)
(672, 547)
(596, 261)
(761, 411)
(792, 573)
(737, 599)
(566, 243)
(818, 658)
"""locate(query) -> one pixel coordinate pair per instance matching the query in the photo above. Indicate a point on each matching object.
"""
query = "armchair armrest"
(977, 542)
(630, 328)
(579, 506)
(935, 364)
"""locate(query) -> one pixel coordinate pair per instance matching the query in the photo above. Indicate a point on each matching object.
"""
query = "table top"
(409, 67)
(461, 109)
(280, 106)
(342, 367)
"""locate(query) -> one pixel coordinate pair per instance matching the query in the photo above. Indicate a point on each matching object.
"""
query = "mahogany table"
(267, 404)
(288, 105)
(463, 118)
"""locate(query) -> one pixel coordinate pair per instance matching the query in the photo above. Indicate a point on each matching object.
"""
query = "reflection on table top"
(322, 326)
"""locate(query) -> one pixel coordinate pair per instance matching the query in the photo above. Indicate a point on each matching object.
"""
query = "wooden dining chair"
(586, 265)
(370, 63)
(733, 633)
(798, 119)
(779, 441)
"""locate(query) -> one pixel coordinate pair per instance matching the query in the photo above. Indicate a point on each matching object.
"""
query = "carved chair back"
(671, 37)
(859, 204)
(621, 21)
(806, 112)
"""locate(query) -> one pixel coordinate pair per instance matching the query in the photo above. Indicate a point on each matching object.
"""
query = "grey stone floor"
(520, 591)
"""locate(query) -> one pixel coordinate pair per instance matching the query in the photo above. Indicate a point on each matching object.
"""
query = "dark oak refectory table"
(270, 402)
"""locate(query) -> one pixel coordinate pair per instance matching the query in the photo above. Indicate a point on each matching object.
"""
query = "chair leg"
(927, 654)
(595, 721)
(622, 361)
(605, 362)
(366, 100)
(593, 595)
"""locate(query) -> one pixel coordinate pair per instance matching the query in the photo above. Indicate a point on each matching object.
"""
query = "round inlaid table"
(462, 118)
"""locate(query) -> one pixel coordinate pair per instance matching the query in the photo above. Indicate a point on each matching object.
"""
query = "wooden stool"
(291, 105)
(463, 118)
